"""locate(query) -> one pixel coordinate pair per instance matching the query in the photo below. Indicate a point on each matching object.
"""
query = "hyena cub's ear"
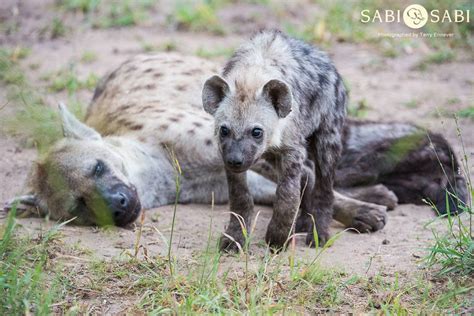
(279, 95)
(213, 92)
(73, 128)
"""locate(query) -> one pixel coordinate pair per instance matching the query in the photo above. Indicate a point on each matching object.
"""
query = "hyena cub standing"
(282, 100)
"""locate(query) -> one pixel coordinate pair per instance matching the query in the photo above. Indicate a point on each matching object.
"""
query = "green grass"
(198, 16)
(439, 57)
(467, 112)
(218, 52)
(10, 73)
(26, 288)
(67, 80)
(167, 46)
(109, 14)
(85, 6)
(453, 250)
(412, 104)
(88, 57)
(33, 121)
(358, 110)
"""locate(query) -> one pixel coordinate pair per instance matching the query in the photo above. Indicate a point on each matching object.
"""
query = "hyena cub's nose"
(234, 162)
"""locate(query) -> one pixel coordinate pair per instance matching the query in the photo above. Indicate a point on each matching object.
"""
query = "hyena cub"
(282, 100)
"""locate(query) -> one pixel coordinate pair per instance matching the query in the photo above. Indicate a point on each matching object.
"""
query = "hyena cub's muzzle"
(122, 204)
(238, 155)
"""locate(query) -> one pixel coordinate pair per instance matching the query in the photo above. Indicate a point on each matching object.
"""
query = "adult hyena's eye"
(99, 169)
(224, 131)
(257, 132)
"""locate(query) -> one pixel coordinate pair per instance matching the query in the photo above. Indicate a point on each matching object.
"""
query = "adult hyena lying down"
(148, 111)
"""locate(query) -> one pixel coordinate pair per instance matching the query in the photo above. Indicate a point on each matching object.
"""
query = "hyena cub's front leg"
(287, 201)
(241, 208)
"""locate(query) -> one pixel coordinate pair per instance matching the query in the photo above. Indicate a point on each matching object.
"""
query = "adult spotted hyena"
(279, 98)
(147, 112)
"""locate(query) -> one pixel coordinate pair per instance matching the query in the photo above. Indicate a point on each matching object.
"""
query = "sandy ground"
(386, 84)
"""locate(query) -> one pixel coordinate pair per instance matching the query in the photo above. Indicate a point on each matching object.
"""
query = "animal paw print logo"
(415, 16)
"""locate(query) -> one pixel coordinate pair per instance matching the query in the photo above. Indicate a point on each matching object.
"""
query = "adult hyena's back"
(132, 94)
(131, 101)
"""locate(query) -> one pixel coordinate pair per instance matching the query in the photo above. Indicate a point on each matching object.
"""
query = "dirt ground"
(387, 86)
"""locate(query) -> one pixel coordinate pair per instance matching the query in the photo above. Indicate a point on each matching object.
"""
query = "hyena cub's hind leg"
(324, 149)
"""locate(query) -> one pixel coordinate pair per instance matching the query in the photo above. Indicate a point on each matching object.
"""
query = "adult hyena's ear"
(213, 92)
(73, 128)
(279, 95)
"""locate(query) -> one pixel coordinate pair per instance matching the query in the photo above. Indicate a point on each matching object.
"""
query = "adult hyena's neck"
(148, 169)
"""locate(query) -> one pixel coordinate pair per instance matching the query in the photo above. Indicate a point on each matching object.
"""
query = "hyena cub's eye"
(257, 132)
(99, 169)
(224, 131)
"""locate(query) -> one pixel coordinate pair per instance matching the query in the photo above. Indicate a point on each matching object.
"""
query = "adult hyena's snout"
(123, 204)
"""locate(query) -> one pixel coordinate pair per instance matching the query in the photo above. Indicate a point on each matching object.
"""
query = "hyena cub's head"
(246, 118)
(82, 177)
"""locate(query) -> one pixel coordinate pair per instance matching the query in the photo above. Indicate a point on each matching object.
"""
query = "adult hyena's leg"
(376, 194)
(363, 216)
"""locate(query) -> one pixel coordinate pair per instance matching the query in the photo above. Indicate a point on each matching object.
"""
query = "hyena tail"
(430, 172)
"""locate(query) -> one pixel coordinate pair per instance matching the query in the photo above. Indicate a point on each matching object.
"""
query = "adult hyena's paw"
(369, 218)
(231, 241)
(383, 196)
(276, 237)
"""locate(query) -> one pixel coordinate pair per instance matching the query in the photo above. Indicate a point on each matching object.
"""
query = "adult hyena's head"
(83, 177)
(246, 118)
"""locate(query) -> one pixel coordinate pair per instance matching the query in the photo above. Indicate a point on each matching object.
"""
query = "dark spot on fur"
(197, 124)
(148, 70)
(136, 127)
(157, 75)
(180, 87)
(163, 127)
(208, 142)
(149, 59)
(146, 107)
(174, 119)
(125, 107)
(191, 132)
(132, 69)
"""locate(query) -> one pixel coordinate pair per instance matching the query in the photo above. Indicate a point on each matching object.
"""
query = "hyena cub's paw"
(227, 244)
(323, 237)
(276, 237)
(303, 223)
(369, 218)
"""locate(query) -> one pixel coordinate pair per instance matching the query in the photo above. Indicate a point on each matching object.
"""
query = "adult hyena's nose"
(121, 200)
(124, 204)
